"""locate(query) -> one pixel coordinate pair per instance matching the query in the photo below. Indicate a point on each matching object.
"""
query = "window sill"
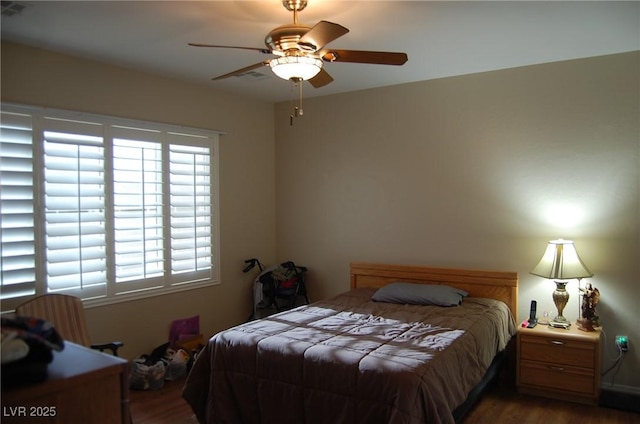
(144, 294)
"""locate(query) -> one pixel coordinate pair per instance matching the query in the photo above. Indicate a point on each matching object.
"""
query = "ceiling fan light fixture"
(297, 67)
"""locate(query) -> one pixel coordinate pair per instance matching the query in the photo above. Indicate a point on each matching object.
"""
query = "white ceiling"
(441, 38)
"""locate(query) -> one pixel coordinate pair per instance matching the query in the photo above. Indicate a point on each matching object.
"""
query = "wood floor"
(500, 404)
(162, 406)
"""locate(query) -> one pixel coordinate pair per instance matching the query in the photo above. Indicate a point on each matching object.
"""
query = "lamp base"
(557, 324)
(560, 299)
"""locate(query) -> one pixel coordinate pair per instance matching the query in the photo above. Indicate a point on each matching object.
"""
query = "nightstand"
(559, 364)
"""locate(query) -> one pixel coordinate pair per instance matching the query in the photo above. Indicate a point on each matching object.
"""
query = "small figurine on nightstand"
(590, 300)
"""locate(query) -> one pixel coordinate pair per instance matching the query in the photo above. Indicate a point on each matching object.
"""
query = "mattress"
(349, 359)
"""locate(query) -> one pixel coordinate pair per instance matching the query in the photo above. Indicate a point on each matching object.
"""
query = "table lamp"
(561, 263)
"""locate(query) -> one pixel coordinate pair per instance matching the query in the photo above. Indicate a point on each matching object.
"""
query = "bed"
(350, 359)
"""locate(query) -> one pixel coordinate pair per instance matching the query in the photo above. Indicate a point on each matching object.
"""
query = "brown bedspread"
(349, 360)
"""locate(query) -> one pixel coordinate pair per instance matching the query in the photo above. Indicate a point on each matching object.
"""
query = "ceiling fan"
(300, 51)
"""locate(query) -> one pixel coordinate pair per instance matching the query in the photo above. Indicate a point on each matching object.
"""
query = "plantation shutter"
(138, 207)
(191, 205)
(17, 234)
(104, 208)
(75, 209)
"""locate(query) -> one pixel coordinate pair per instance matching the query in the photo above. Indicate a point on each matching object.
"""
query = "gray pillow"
(419, 294)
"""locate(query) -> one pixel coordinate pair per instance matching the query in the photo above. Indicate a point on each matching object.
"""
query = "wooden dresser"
(83, 386)
(558, 363)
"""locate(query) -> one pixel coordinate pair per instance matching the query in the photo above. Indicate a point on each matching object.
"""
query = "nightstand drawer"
(575, 379)
(558, 351)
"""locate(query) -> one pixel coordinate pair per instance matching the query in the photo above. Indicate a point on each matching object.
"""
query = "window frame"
(112, 295)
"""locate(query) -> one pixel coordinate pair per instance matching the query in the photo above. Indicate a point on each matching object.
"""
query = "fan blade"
(321, 34)
(266, 51)
(362, 56)
(242, 71)
(321, 79)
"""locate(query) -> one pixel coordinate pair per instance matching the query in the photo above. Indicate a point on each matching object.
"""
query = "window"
(103, 208)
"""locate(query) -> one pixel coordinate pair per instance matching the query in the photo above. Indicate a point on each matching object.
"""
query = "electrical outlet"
(622, 342)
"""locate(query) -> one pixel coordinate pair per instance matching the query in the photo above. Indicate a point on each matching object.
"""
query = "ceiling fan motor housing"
(286, 37)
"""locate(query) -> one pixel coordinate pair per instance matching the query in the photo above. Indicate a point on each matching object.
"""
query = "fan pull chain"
(297, 110)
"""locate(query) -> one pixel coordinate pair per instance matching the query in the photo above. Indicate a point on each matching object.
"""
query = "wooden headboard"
(498, 285)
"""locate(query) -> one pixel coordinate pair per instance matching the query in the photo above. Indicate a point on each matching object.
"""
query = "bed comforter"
(349, 360)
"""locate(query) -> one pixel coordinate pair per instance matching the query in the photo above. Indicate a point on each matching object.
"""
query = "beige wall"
(476, 171)
(247, 211)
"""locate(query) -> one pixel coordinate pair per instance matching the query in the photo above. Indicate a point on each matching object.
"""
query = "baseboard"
(618, 398)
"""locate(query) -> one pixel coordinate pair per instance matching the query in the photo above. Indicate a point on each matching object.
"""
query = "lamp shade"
(302, 67)
(561, 262)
